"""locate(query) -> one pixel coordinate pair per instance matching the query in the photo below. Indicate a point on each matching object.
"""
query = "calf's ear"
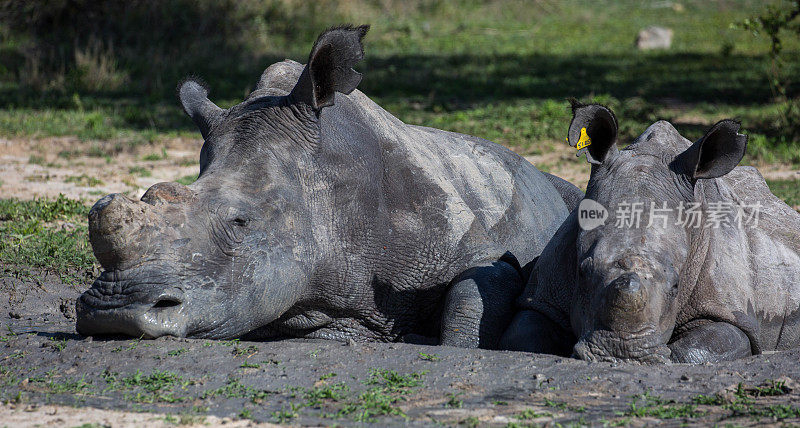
(593, 127)
(716, 153)
(329, 69)
(194, 99)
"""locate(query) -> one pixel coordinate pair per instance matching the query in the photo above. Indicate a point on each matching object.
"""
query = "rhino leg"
(712, 342)
(531, 331)
(480, 304)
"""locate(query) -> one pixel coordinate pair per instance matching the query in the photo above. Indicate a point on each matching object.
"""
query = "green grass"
(500, 70)
(788, 190)
(84, 180)
(647, 405)
(156, 156)
(385, 389)
(34, 235)
(187, 179)
(140, 171)
(744, 402)
(771, 388)
(235, 389)
(429, 357)
(531, 414)
(158, 386)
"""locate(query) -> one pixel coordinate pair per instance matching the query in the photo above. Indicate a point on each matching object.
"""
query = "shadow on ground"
(455, 82)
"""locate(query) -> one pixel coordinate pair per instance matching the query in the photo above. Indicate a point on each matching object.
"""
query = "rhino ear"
(194, 99)
(594, 127)
(329, 69)
(717, 152)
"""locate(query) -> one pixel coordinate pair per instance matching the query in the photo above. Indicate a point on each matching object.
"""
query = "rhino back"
(750, 276)
(412, 207)
(478, 194)
(774, 258)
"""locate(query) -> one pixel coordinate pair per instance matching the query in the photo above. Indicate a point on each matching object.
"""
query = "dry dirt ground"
(50, 376)
(32, 168)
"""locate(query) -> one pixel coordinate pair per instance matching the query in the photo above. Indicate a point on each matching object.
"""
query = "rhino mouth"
(140, 302)
(645, 347)
(117, 288)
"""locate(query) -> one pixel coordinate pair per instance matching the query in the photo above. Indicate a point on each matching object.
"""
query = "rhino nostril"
(627, 283)
(167, 302)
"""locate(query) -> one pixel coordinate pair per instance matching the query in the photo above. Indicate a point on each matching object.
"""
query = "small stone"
(654, 38)
(685, 377)
(14, 315)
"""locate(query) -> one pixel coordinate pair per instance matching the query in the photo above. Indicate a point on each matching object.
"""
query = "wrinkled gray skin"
(319, 214)
(667, 292)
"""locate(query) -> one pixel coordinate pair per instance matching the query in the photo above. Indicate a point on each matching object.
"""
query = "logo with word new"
(591, 214)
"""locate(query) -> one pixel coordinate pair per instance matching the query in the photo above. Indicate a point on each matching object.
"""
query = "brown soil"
(34, 168)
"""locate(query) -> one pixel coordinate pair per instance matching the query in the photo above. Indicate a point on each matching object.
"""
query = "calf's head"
(634, 272)
(234, 250)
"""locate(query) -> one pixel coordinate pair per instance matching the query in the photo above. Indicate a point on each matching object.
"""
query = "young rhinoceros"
(319, 214)
(694, 261)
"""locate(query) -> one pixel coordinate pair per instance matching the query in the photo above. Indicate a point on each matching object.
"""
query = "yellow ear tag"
(584, 140)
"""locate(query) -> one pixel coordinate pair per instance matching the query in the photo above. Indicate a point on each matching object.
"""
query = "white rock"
(654, 38)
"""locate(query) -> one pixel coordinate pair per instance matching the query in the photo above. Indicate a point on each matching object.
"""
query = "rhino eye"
(240, 221)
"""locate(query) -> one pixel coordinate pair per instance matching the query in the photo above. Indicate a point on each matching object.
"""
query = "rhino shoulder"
(747, 184)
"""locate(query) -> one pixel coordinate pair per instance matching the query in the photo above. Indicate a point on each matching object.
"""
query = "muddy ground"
(51, 376)
(46, 369)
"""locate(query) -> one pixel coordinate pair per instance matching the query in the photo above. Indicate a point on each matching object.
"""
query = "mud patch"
(44, 363)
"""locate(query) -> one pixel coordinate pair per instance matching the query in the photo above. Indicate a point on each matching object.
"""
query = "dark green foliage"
(55, 35)
(781, 21)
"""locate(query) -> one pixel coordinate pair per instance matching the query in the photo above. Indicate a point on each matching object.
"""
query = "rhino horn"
(329, 69)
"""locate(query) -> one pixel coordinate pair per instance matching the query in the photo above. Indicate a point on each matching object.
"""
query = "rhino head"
(636, 271)
(232, 251)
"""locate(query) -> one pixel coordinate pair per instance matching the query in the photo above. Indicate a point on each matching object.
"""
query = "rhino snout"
(117, 226)
(158, 314)
(625, 297)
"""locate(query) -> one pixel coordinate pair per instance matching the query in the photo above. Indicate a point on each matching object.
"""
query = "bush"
(778, 21)
(101, 46)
